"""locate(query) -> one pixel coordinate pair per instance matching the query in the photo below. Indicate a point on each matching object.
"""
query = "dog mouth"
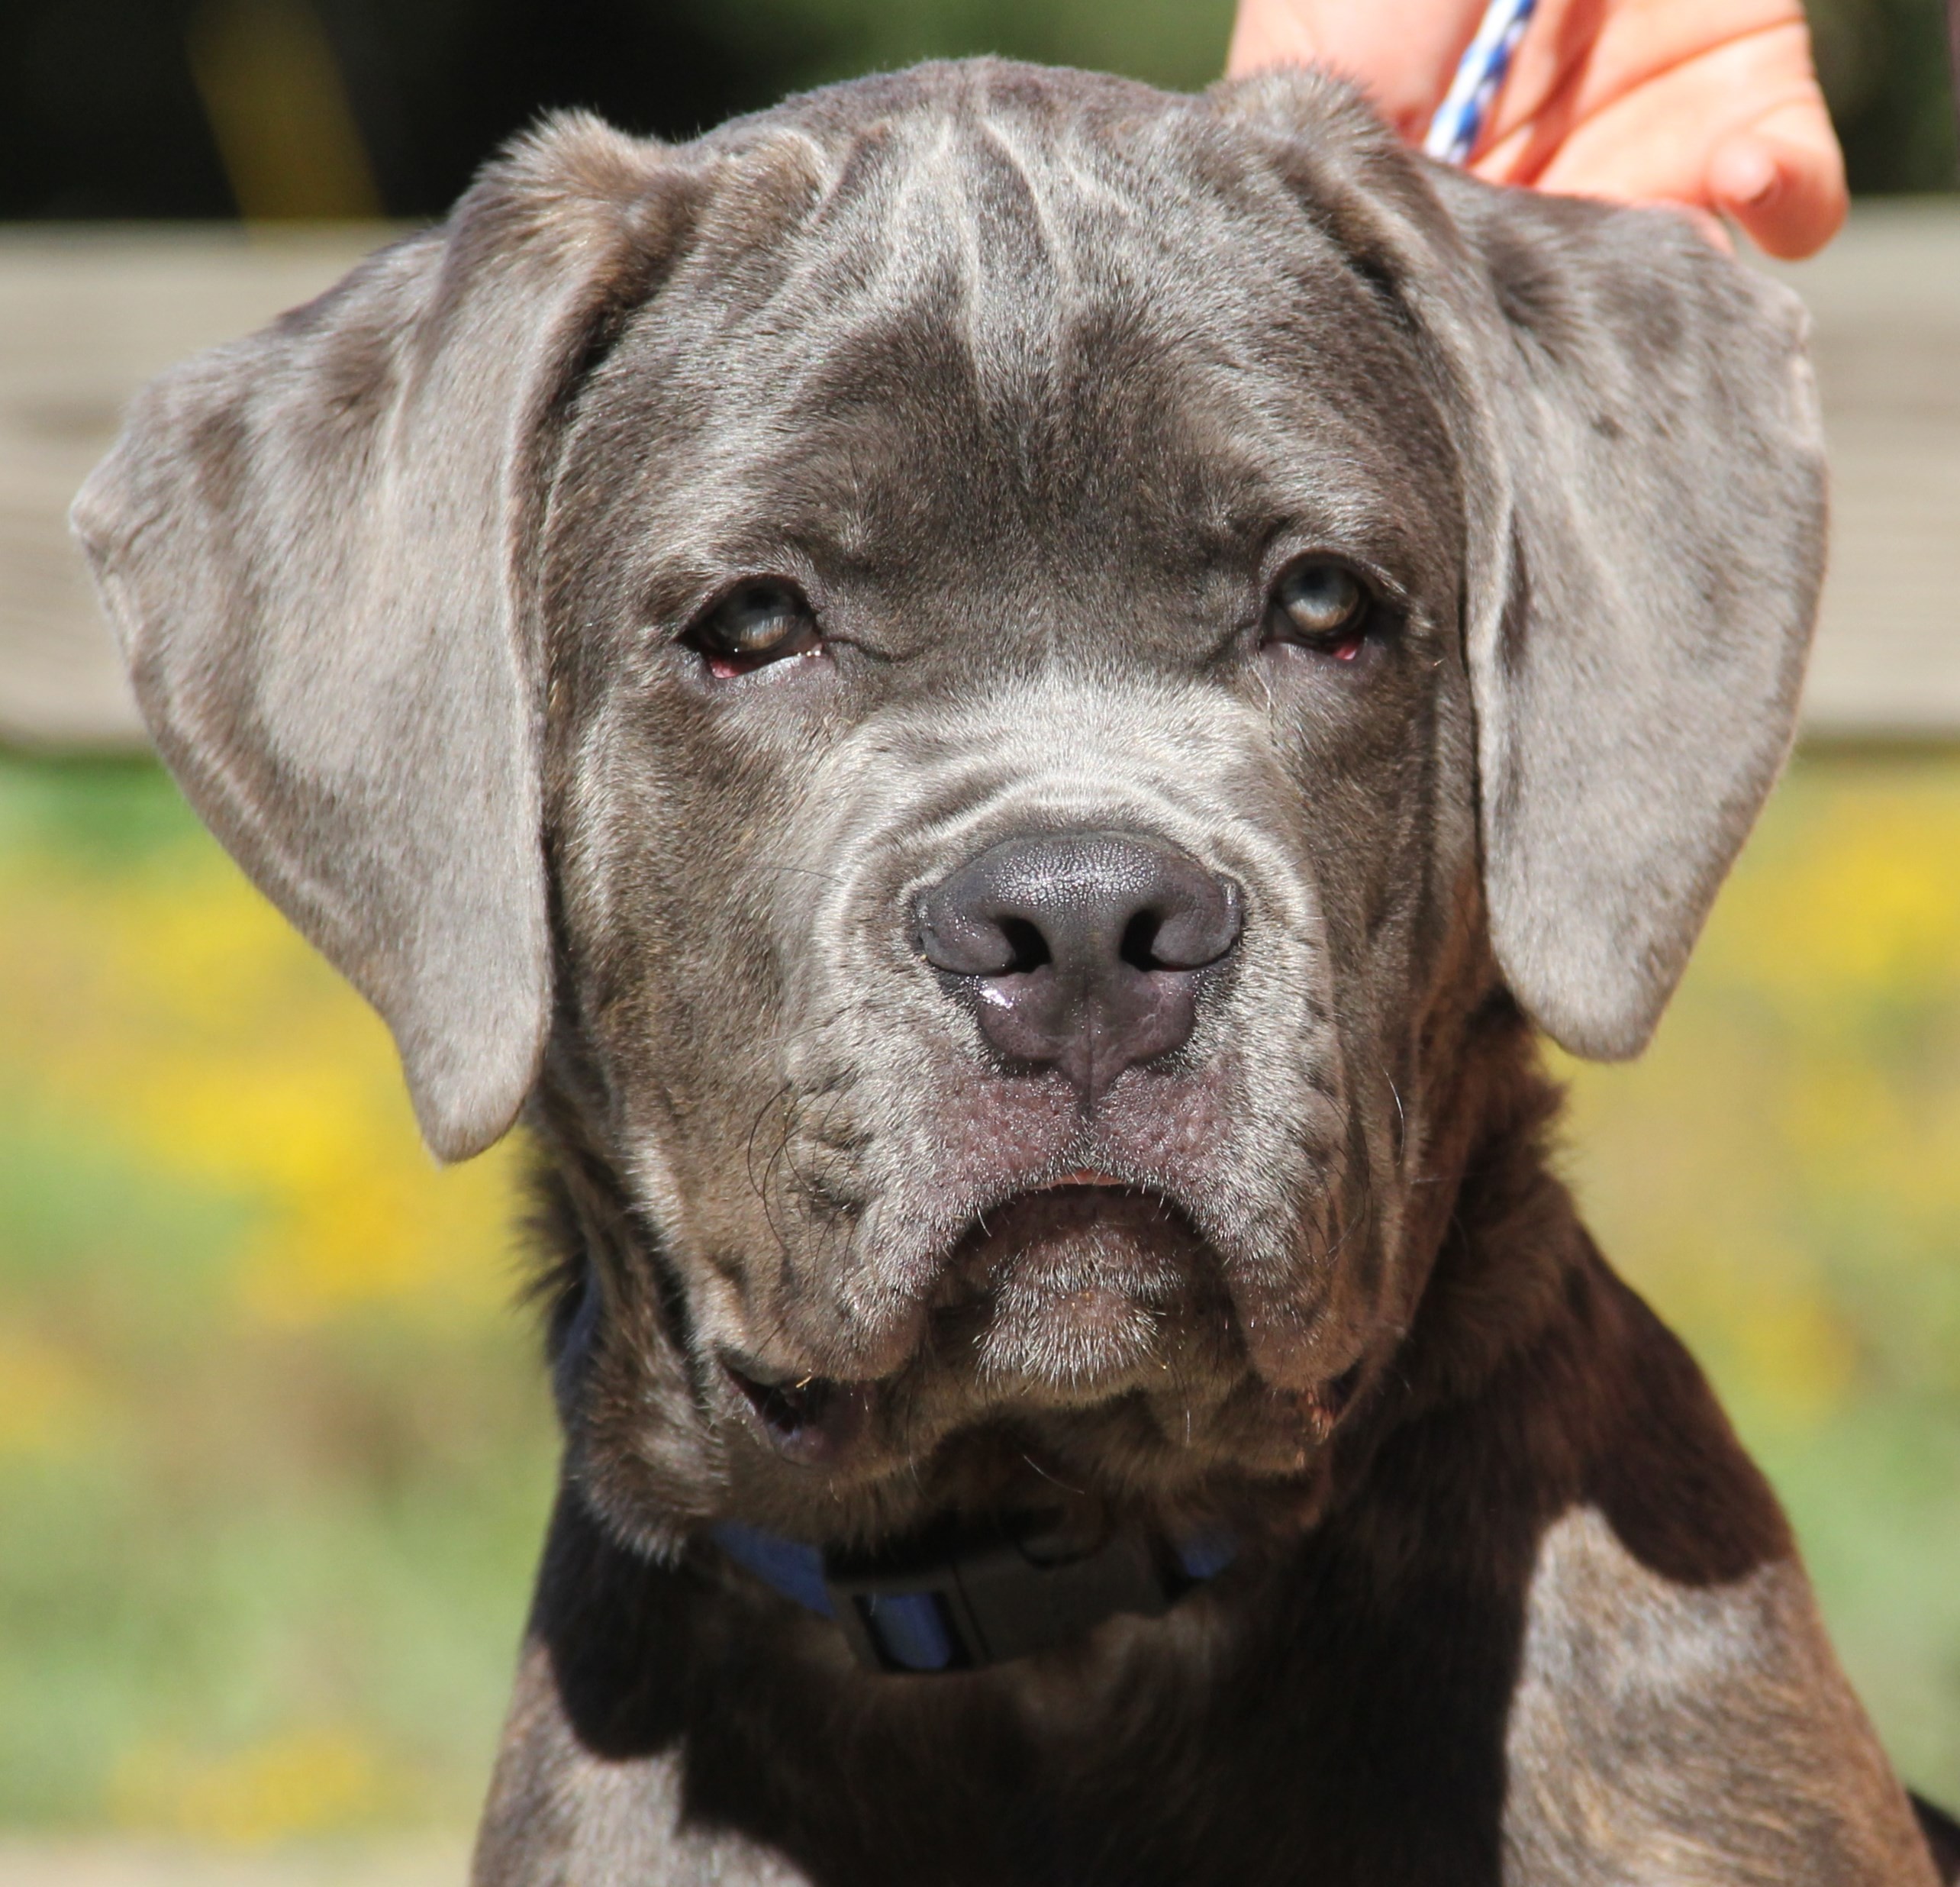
(1058, 1296)
(1026, 1228)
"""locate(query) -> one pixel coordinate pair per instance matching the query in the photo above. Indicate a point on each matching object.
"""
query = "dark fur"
(1033, 382)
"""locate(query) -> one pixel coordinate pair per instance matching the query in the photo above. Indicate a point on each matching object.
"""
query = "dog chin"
(1066, 1294)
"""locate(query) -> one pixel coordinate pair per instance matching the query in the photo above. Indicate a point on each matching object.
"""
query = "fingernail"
(1752, 178)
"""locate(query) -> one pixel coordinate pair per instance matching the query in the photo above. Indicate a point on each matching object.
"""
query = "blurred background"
(275, 1453)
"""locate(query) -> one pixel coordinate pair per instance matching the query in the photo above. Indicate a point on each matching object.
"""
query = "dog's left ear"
(1642, 460)
(1646, 470)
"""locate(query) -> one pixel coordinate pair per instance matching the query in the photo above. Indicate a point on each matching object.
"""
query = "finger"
(1400, 52)
(1266, 34)
(1782, 182)
(1711, 229)
(1666, 81)
(1654, 140)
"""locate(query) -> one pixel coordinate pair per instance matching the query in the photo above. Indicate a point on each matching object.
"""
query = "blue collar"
(958, 1601)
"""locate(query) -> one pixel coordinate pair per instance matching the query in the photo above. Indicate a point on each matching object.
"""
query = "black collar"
(959, 1600)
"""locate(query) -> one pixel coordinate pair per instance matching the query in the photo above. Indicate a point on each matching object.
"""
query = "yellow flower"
(314, 1781)
(172, 1010)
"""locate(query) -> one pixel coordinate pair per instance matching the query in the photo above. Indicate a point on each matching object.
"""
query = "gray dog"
(998, 703)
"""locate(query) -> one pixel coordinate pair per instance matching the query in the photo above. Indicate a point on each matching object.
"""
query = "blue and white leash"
(1459, 119)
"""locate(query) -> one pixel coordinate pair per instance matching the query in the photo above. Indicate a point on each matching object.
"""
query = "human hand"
(1710, 105)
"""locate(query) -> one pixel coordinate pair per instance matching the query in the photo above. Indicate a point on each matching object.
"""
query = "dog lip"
(1088, 1190)
(809, 1420)
(1087, 1180)
(1082, 1182)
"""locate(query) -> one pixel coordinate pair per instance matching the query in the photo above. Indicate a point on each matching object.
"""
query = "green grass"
(275, 1452)
(270, 1504)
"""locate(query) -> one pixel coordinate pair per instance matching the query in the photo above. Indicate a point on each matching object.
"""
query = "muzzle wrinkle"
(882, 1089)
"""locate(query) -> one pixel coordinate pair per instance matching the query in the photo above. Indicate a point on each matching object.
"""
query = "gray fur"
(1033, 383)
(314, 545)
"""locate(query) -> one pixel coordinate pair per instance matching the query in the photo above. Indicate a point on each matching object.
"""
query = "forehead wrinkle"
(910, 203)
(999, 142)
(988, 294)
(938, 181)
(891, 248)
(1009, 234)
(1011, 278)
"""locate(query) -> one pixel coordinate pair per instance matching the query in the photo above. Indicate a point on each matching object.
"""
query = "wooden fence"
(87, 315)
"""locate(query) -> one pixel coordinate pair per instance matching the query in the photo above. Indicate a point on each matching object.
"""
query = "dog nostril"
(1030, 947)
(1116, 923)
(1197, 930)
(1138, 948)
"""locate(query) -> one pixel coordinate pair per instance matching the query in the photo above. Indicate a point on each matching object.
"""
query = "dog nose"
(1082, 950)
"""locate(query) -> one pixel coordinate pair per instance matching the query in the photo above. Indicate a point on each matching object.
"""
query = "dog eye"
(753, 626)
(1322, 607)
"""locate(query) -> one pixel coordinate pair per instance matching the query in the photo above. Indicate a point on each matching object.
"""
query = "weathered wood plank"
(1885, 298)
(86, 315)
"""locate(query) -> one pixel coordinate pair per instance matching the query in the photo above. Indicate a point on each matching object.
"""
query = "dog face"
(982, 671)
(1012, 733)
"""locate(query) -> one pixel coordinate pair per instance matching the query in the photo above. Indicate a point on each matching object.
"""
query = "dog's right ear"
(315, 546)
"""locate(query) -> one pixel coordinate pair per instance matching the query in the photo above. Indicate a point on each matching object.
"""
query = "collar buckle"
(963, 1604)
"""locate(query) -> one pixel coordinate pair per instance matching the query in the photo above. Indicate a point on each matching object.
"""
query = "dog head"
(970, 680)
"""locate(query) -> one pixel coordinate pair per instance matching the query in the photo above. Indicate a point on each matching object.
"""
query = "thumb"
(1781, 181)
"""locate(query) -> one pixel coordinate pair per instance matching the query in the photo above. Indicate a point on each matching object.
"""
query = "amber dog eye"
(1322, 607)
(759, 623)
